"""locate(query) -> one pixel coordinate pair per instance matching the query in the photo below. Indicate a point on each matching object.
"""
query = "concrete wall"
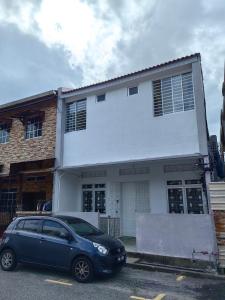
(68, 187)
(65, 192)
(175, 235)
(123, 128)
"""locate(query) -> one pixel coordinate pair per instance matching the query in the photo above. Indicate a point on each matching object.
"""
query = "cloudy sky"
(45, 44)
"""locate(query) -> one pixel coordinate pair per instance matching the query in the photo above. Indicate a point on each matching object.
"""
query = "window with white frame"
(33, 128)
(173, 94)
(132, 90)
(76, 115)
(4, 133)
(185, 196)
(93, 197)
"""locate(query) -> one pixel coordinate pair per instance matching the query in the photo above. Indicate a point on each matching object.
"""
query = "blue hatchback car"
(61, 242)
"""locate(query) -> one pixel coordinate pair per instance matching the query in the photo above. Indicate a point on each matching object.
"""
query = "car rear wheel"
(8, 260)
(82, 269)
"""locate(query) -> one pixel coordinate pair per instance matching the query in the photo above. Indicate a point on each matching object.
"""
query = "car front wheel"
(8, 260)
(82, 270)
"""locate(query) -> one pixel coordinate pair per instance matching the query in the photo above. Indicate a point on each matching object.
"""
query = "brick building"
(27, 151)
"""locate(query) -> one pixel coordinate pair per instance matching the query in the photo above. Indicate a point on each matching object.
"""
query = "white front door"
(135, 198)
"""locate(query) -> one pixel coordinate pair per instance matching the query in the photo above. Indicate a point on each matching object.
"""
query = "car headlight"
(102, 249)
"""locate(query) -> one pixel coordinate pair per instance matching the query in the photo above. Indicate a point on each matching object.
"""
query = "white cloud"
(105, 38)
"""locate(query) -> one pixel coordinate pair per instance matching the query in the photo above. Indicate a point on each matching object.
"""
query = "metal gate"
(7, 207)
(110, 226)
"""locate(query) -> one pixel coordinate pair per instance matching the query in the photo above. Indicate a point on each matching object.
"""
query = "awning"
(37, 166)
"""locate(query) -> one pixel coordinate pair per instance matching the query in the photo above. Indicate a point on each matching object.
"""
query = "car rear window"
(32, 225)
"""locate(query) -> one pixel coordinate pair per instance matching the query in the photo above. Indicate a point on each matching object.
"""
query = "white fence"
(184, 236)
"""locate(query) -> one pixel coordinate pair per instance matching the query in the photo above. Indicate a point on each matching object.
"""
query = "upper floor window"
(4, 133)
(132, 90)
(100, 98)
(76, 115)
(33, 128)
(173, 94)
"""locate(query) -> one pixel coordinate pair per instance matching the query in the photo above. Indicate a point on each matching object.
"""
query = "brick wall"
(19, 149)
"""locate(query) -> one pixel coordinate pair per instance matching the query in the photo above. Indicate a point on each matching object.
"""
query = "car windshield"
(81, 227)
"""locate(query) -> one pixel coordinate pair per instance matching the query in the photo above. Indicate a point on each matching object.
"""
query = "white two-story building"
(134, 148)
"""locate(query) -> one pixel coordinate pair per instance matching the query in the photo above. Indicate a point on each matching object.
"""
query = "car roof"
(50, 217)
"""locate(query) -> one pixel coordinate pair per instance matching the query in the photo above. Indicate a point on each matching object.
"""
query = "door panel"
(135, 198)
(142, 199)
(27, 236)
(55, 250)
(28, 246)
(128, 208)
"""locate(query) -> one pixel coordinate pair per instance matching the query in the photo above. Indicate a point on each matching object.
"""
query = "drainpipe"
(58, 191)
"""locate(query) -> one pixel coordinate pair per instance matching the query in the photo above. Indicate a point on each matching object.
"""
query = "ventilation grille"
(91, 174)
(134, 171)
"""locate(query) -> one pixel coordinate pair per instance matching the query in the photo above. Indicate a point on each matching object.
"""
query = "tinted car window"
(54, 229)
(32, 225)
(81, 227)
(20, 225)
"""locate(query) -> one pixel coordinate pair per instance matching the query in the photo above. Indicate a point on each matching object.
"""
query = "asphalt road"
(32, 283)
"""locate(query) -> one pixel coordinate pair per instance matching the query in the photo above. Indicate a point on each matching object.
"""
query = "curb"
(170, 269)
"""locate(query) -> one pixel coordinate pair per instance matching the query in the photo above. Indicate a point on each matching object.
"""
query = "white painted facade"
(129, 150)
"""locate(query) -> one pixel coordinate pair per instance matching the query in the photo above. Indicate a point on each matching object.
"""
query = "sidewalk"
(144, 264)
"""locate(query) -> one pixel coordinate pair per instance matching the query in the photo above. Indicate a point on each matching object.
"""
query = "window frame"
(70, 120)
(4, 133)
(100, 95)
(132, 87)
(9, 201)
(185, 186)
(36, 130)
(33, 232)
(160, 105)
(93, 189)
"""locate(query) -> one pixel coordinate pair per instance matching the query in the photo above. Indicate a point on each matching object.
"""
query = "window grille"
(173, 94)
(95, 173)
(185, 196)
(33, 128)
(4, 133)
(8, 200)
(76, 116)
(134, 171)
(94, 197)
(175, 196)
